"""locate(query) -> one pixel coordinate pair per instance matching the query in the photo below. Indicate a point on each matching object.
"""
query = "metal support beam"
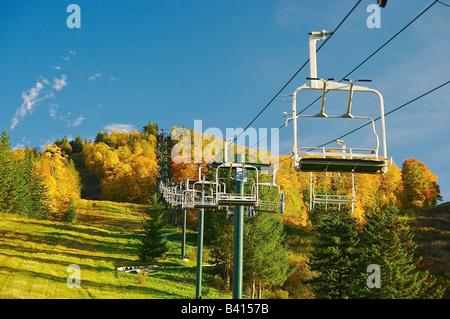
(198, 290)
(238, 238)
(175, 211)
(170, 215)
(183, 236)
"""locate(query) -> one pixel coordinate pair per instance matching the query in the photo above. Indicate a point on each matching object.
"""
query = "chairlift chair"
(204, 194)
(335, 201)
(326, 159)
(226, 198)
(274, 202)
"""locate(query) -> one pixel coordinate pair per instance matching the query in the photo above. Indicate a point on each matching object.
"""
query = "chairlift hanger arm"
(337, 87)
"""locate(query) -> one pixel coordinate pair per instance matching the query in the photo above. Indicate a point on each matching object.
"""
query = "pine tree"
(153, 244)
(77, 144)
(104, 137)
(388, 243)
(4, 140)
(8, 193)
(335, 255)
(38, 193)
(151, 128)
(266, 262)
(64, 145)
(220, 237)
(21, 185)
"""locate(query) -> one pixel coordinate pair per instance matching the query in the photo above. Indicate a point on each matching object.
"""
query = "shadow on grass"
(89, 249)
(123, 289)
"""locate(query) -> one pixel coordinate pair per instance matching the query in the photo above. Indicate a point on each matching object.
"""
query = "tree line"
(41, 185)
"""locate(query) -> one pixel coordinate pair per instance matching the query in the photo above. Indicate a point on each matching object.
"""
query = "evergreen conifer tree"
(266, 262)
(388, 243)
(8, 193)
(335, 255)
(39, 209)
(77, 144)
(220, 237)
(21, 185)
(153, 244)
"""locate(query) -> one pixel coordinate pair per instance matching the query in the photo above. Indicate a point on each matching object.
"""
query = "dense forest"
(126, 167)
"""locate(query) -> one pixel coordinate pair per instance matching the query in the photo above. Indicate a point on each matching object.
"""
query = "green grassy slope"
(34, 256)
(431, 229)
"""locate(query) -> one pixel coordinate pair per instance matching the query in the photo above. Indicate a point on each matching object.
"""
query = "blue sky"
(173, 62)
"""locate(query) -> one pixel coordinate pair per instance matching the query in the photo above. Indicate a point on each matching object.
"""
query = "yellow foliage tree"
(367, 186)
(290, 182)
(60, 178)
(127, 170)
(391, 187)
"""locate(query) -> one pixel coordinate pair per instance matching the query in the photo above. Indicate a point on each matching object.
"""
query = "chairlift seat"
(334, 199)
(354, 165)
(236, 200)
(208, 202)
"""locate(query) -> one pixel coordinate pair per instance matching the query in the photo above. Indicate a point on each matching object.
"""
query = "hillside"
(431, 229)
(34, 255)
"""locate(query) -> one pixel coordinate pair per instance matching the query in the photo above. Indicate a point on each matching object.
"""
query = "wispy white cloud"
(95, 76)
(65, 117)
(52, 110)
(58, 84)
(124, 128)
(99, 75)
(37, 94)
(18, 146)
(22, 144)
(78, 121)
(69, 123)
(65, 60)
(30, 99)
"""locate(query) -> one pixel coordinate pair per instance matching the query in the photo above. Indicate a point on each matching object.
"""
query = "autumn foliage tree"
(420, 187)
(125, 163)
(60, 179)
(293, 183)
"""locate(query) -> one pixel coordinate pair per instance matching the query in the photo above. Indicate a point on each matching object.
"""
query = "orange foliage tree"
(420, 187)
